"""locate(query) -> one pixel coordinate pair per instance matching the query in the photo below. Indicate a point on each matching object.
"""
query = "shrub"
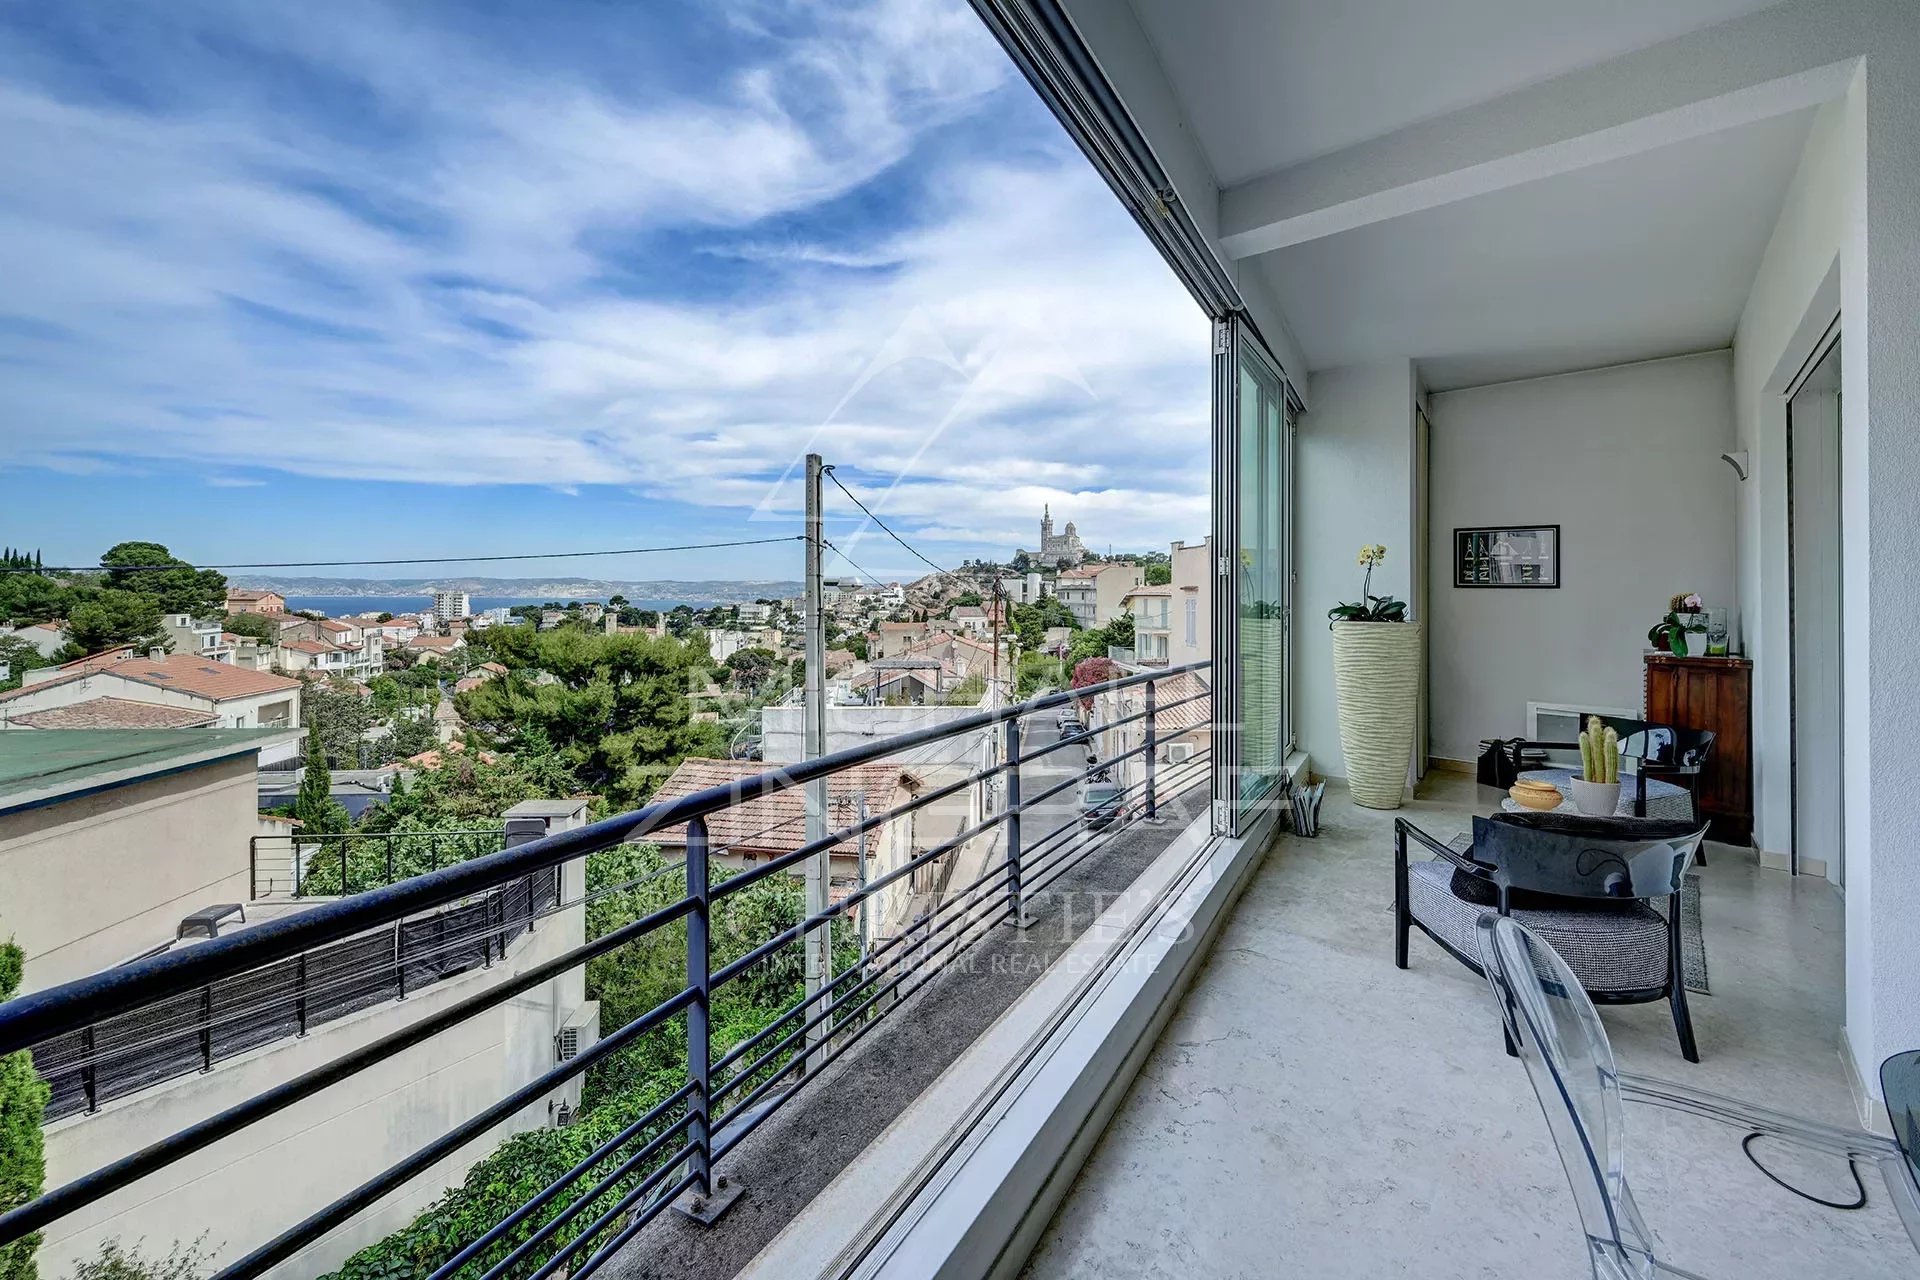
(23, 1102)
(183, 1262)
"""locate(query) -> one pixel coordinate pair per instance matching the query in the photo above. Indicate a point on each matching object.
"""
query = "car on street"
(1100, 804)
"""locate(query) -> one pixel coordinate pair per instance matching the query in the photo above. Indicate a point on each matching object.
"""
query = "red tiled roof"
(114, 713)
(1169, 719)
(433, 642)
(97, 661)
(334, 624)
(308, 646)
(241, 593)
(903, 626)
(215, 681)
(777, 824)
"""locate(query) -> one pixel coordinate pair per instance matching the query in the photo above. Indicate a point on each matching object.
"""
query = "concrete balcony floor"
(1313, 1111)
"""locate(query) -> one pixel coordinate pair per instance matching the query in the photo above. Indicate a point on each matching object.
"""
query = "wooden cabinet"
(1714, 694)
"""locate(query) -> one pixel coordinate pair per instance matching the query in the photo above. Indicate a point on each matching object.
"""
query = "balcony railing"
(336, 865)
(585, 1215)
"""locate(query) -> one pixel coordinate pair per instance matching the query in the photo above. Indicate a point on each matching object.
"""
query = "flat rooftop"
(42, 766)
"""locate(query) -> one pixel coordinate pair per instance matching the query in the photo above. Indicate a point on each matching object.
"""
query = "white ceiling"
(1651, 255)
(1269, 83)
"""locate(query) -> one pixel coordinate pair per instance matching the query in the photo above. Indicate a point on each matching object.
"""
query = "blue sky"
(315, 281)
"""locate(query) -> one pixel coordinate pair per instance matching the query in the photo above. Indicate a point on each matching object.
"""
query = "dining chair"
(1569, 1061)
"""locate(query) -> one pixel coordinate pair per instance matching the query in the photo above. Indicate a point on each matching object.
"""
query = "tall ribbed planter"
(1376, 677)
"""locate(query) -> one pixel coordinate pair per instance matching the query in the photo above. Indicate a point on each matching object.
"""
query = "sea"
(347, 606)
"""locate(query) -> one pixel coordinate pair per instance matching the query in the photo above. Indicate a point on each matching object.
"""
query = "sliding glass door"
(1252, 514)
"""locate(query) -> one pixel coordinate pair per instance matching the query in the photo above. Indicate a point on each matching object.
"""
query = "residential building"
(1061, 550)
(395, 632)
(591, 612)
(1190, 629)
(895, 638)
(1093, 592)
(1027, 588)
(151, 832)
(755, 614)
(197, 637)
(1152, 625)
(108, 836)
(241, 600)
(495, 617)
(239, 698)
(434, 647)
(448, 605)
(47, 638)
(113, 713)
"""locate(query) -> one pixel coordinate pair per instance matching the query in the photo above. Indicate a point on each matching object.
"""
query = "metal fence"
(335, 865)
(195, 1029)
(586, 1214)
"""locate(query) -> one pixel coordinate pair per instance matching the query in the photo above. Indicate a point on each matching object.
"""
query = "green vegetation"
(256, 626)
(119, 605)
(319, 813)
(183, 1262)
(1094, 643)
(19, 656)
(1031, 621)
(23, 1101)
(616, 710)
(1039, 671)
(1599, 752)
(631, 880)
(1159, 574)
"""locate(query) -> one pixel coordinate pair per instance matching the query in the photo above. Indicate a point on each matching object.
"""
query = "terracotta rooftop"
(433, 642)
(309, 646)
(114, 713)
(903, 626)
(215, 681)
(777, 824)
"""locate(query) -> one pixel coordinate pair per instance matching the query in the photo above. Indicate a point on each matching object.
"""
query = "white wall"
(1353, 484)
(93, 881)
(247, 1188)
(1626, 461)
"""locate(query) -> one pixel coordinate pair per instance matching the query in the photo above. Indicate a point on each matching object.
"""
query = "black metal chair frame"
(1674, 991)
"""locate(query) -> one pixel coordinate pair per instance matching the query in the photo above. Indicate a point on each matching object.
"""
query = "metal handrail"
(79, 1005)
(28, 1019)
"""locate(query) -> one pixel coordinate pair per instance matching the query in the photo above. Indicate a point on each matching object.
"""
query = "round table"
(1664, 799)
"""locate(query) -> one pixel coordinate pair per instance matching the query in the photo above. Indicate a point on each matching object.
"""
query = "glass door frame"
(1235, 344)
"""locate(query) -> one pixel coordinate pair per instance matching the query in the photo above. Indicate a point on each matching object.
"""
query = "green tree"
(23, 1103)
(750, 667)
(1094, 642)
(319, 813)
(175, 585)
(182, 1262)
(966, 598)
(412, 734)
(1159, 574)
(105, 619)
(616, 710)
(1031, 621)
(342, 718)
(19, 657)
(32, 597)
(256, 625)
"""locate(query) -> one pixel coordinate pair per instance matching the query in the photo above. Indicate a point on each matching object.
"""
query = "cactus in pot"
(1596, 791)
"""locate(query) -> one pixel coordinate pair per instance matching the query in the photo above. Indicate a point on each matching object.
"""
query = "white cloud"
(1016, 342)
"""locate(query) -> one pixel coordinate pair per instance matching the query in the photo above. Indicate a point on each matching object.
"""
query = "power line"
(850, 560)
(350, 564)
(911, 550)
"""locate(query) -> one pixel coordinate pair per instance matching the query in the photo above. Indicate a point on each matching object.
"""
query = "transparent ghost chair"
(1563, 1045)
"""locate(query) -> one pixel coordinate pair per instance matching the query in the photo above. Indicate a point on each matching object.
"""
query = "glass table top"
(1900, 1086)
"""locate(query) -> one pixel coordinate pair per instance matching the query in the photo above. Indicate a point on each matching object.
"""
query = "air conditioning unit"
(580, 1032)
(1180, 752)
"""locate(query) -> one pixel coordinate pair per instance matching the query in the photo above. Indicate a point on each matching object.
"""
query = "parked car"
(1100, 805)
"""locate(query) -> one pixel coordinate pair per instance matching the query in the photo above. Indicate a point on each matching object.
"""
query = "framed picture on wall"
(1516, 556)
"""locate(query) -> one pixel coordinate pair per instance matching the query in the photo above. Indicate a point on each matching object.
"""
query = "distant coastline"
(349, 605)
(406, 595)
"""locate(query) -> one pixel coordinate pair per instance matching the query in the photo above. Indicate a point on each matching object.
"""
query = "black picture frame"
(1516, 557)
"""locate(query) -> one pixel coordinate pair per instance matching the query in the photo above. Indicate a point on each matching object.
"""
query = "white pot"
(1596, 799)
(1376, 678)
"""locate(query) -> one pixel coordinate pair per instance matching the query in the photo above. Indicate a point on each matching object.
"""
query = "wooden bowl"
(1542, 796)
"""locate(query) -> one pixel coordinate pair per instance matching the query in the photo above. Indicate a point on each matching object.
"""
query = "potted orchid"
(1376, 678)
(1683, 632)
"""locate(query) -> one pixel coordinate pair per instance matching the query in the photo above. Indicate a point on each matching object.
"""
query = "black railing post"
(253, 867)
(433, 848)
(390, 856)
(206, 1027)
(400, 957)
(699, 977)
(1150, 751)
(293, 843)
(300, 991)
(344, 890)
(89, 1073)
(1014, 898)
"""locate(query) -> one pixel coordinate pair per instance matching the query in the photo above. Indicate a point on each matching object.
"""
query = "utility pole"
(818, 944)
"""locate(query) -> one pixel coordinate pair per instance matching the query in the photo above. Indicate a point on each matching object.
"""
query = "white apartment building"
(234, 696)
(197, 637)
(1190, 606)
(448, 605)
(1094, 592)
(1152, 620)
